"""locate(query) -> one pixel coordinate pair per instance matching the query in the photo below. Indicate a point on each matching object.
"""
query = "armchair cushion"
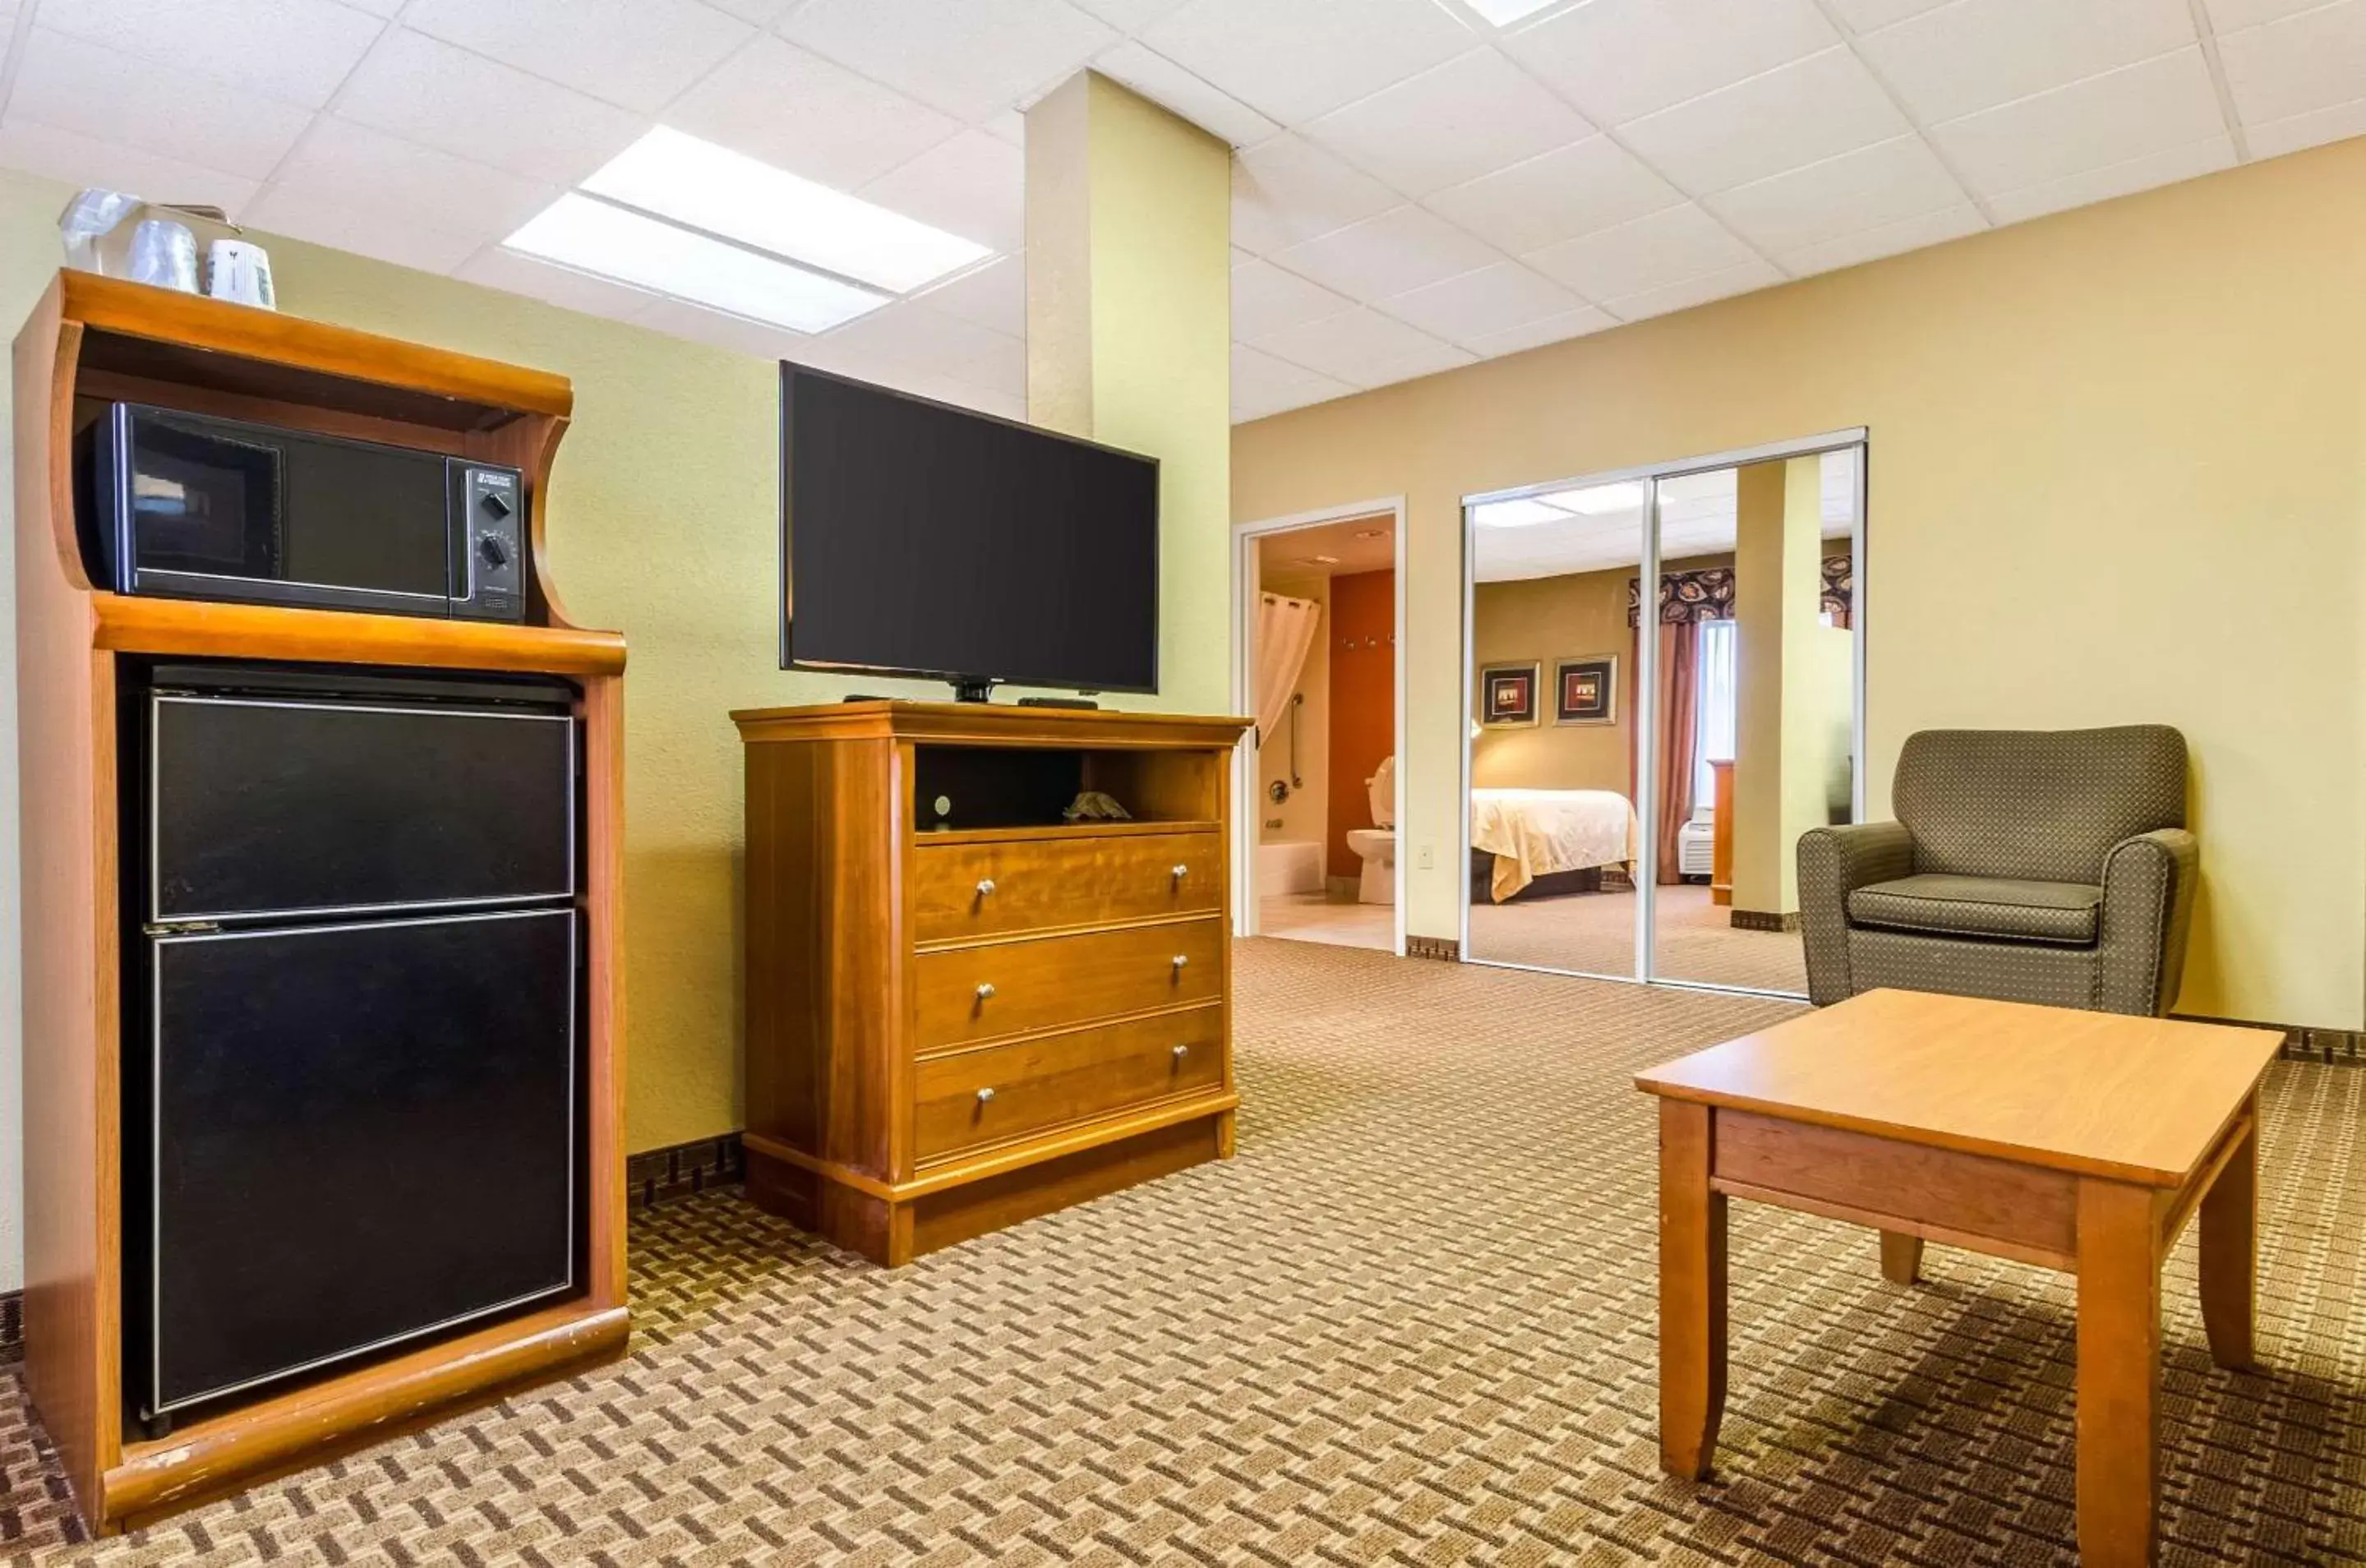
(2011, 908)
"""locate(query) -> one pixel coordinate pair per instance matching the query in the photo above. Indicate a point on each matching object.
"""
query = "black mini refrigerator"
(350, 1052)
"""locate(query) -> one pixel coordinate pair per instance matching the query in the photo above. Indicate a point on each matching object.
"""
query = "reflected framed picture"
(1586, 689)
(1507, 695)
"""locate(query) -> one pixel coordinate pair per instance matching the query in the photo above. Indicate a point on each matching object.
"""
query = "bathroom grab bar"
(1296, 698)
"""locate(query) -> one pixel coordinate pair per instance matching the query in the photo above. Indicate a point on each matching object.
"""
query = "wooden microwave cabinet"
(962, 1011)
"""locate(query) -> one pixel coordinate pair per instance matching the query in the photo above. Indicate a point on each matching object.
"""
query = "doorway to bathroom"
(1318, 616)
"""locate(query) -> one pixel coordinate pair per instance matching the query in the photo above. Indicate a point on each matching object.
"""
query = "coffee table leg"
(2119, 1374)
(1692, 1292)
(1901, 1257)
(2229, 1261)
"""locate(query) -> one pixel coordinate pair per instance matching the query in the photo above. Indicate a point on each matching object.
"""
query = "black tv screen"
(922, 539)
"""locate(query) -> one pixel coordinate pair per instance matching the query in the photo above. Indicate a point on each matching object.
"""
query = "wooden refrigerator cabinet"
(962, 1017)
(106, 339)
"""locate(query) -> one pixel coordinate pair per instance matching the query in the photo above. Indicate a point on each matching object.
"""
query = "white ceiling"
(1698, 517)
(1415, 188)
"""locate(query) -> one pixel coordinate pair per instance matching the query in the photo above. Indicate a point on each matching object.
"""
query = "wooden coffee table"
(2077, 1140)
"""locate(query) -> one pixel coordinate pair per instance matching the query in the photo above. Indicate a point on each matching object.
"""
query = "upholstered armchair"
(2045, 866)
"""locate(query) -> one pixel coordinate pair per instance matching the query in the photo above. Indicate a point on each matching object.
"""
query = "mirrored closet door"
(1641, 766)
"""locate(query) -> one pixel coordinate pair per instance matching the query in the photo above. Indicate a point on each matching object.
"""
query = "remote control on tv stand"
(1057, 702)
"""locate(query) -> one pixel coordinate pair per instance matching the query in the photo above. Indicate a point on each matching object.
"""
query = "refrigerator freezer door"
(358, 1135)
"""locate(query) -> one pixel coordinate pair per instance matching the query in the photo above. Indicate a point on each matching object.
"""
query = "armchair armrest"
(2149, 883)
(1833, 863)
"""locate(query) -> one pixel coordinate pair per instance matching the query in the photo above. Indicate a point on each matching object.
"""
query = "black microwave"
(194, 507)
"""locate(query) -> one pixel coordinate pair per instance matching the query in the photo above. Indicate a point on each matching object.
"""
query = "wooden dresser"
(961, 1012)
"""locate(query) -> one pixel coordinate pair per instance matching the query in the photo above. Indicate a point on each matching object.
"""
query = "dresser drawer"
(1021, 884)
(1010, 1091)
(1018, 988)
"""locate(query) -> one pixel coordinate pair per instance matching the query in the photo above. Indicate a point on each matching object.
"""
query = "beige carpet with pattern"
(1411, 1324)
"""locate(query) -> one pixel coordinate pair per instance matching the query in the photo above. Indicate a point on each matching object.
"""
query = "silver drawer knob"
(984, 1095)
(986, 990)
(1182, 1051)
(985, 887)
(1181, 871)
(1180, 962)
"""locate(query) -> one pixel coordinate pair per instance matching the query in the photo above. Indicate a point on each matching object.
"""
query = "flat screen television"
(921, 539)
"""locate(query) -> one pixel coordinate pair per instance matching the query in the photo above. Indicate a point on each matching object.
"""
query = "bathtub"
(1292, 865)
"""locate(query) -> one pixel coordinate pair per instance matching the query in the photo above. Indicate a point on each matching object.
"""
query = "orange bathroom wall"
(1363, 703)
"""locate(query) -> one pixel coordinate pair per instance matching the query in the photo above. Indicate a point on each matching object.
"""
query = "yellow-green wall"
(662, 516)
(2117, 473)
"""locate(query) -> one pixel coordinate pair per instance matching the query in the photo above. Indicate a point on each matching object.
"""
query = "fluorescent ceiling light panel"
(1503, 13)
(726, 193)
(608, 242)
(1599, 501)
(1520, 513)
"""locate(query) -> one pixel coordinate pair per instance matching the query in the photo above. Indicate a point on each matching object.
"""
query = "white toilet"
(1378, 846)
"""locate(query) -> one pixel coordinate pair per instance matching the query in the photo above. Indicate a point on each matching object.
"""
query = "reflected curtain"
(1676, 716)
(1285, 635)
(1678, 737)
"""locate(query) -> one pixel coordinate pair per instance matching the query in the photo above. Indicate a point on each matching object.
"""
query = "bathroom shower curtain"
(1285, 635)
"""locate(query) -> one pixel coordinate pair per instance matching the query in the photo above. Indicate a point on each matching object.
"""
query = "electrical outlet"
(1425, 859)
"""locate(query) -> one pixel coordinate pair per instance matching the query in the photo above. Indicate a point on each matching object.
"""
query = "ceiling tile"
(1667, 247)
(1618, 60)
(70, 84)
(1477, 305)
(970, 184)
(1975, 54)
(296, 49)
(1292, 60)
(1811, 109)
(1469, 116)
(2124, 114)
(1874, 186)
(1128, 15)
(338, 162)
(2164, 168)
(537, 279)
(1009, 126)
(763, 13)
(78, 160)
(639, 53)
(376, 7)
(1888, 240)
(1365, 349)
(2314, 60)
(1673, 297)
(1535, 334)
(1388, 255)
(358, 226)
(910, 333)
(2274, 138)
(799, 112)
(1266, 299)
(1263, 385)
(419, 87)
(969, 58)
(2228, 15)
(679, 318)
(1288, 189)
(1567, 192)
(1864, 16)
(1162, 81)
(994, 295)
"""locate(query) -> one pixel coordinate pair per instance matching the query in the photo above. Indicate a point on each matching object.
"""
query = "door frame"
(1647, 649)
(1246, 537)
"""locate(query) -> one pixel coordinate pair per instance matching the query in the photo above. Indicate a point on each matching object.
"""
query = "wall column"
(1781, 764)
(1129, 331)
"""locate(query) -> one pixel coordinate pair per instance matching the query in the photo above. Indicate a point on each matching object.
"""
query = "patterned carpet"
(1595, 933)
(1411, 1324)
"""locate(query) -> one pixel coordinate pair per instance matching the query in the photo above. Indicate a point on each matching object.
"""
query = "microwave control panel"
(491, 530)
